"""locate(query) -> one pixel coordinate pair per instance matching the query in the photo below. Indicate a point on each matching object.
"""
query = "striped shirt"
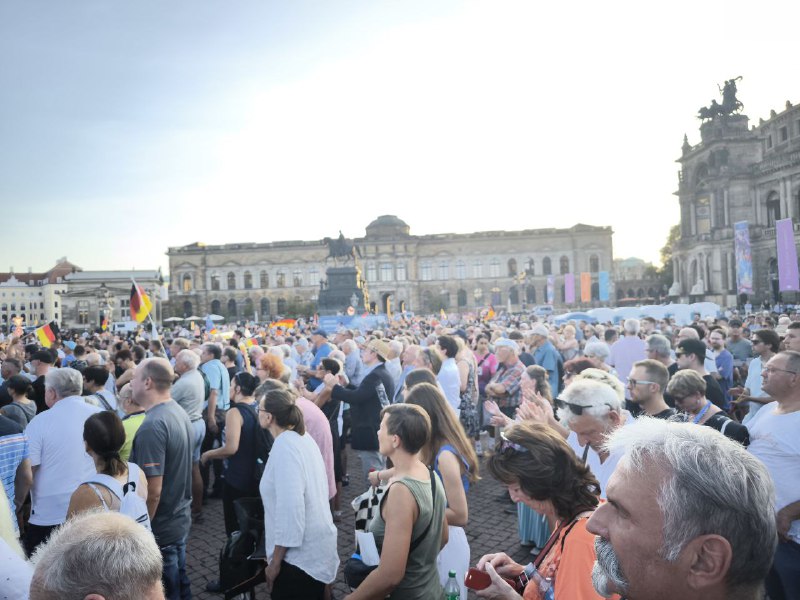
(13, 450)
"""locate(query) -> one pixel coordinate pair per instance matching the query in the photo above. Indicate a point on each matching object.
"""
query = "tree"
(665, 272)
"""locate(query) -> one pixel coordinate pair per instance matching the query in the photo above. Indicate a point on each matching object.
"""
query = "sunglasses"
(635, 382)
(507, 444)
(576, 409)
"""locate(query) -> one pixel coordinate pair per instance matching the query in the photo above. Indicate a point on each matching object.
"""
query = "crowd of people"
(643, 459)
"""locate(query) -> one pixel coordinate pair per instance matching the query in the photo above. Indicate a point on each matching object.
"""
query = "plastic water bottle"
(452, 591)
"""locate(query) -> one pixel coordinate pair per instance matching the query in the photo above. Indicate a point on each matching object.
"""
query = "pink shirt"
(319, 429)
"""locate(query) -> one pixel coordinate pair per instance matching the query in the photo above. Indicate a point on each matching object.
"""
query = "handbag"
(355, 571)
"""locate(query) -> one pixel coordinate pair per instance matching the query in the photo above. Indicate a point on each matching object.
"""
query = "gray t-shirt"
(742, 350)
(190, 392)
(163, 447)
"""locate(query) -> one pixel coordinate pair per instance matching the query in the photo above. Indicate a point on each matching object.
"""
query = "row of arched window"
(297, 278)
(441, 270)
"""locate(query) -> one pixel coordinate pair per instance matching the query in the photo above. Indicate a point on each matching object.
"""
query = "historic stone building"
(403, 271)
(736, 173)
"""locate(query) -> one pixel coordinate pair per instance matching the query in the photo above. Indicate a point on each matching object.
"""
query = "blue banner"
(603, 284)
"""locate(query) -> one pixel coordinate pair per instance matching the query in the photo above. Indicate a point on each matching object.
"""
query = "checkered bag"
(367, 505)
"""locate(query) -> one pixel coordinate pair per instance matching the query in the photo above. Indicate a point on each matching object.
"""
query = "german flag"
(104, 324)
(140, 304)
(47, 334)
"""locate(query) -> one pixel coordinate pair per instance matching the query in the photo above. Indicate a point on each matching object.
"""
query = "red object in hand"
(477, 580)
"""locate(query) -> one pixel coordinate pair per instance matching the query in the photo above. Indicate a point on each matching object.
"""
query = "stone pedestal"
(336, 294)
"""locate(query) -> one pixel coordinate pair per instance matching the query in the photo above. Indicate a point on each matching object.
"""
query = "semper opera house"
(425, 273)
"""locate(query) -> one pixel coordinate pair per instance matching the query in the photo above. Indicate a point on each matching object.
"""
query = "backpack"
(263, 445)
(131, 503)
(102, 402)
(237, 572)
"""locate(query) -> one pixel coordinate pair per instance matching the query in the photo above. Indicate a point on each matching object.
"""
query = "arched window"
(264, 279)
(233, 311)
(265, 309)
(186, 283)
(443, 270)
(83, 312)
(494, 268)
(187, 308)
(773, 209)
(216, 307)
(401, 271)
(477, 269)
(386, 271)
(462, 298)
(595, 291)
(214, 282)
(425, 273)
(281, 280)
(563, 265)
(372, 272)
(461, 270)
(513, 295)
(248, 280)
(231, 280)
(594, 263)
(512, 267)
(248, 308)
(297, 278)
(530, 269)
(547, 267)
(530, 295)
(281, 306)
(313, 276)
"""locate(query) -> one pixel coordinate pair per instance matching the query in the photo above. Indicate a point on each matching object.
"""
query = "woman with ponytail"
(103, 436)
(300, 537)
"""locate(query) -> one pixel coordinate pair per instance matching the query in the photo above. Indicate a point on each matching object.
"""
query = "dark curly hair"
(546, 468)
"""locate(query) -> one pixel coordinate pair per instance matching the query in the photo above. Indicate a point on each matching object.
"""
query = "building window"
(443, 270)
(233, 311)
(461, 273)
(215, 282)
(594, 263)
(477, 269)
(512, 267)
(769, 142)
(547, 267)
(231, 280)
(265, 309)
(313, 276)
(401, 271)
(297, 278)
(281, 279)
(494, 268)
(264, 279)
(187, 283)
(563, 265)
(784, 133)
(83, 312)
(372, 273)
(386, 271)
(248, 280)
(773, 209)
(425, 271)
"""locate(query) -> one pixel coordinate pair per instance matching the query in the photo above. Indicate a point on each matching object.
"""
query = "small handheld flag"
(140, 304)
(47, 334)
(211, 329)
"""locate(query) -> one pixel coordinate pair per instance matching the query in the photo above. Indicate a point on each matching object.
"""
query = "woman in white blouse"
(299, 531)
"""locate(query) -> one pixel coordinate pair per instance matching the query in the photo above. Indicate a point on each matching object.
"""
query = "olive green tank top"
(421, 581)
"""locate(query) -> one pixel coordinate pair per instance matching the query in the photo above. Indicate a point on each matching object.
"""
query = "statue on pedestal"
(674, 289)
(698, 288)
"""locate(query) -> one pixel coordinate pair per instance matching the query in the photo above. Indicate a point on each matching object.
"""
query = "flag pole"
(149, 312)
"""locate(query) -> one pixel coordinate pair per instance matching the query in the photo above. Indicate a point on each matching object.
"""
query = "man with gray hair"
(98, 555)
(189, 391)
(658, 347)
(57, 453)
(689, 515)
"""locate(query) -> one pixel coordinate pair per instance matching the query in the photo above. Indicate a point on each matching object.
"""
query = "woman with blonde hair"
(566, 343)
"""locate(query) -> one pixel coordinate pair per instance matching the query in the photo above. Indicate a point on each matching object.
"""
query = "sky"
(128, 128)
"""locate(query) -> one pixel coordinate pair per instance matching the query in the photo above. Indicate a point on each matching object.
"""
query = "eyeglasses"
(576, 409)
(771, 370)
(635, 382)
(679, 354)
(507, 444)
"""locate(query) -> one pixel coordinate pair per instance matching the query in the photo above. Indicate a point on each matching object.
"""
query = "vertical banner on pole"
(586, 287)
(744, 261)
(569, 288)
(550, 289)
(603, 285)
(788, 276)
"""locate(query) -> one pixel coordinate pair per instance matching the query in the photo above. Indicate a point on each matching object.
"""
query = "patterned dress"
(469, 417)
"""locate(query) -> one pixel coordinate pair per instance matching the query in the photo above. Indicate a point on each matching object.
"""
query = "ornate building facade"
(736, 173)
(457, 272)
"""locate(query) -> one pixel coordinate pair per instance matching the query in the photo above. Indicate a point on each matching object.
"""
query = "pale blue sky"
(126, 128)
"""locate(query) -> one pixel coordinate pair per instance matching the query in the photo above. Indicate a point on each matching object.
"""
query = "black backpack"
(239, 574)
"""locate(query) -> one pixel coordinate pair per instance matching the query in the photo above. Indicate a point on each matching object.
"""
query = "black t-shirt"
(729, 428)
(526, 358)
(38, 395)
(714, 392)
(665, 414)
(5, 397)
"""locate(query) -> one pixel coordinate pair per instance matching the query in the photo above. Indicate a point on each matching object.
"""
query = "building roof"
(62, 269)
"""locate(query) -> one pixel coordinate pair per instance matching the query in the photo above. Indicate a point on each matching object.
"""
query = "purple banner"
(569, 288)
(551, 282)
(788, 277)
(744, 261)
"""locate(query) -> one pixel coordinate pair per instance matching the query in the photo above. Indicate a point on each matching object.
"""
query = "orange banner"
(586, 287)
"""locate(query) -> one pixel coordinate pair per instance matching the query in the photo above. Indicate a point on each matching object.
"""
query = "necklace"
(702, 412)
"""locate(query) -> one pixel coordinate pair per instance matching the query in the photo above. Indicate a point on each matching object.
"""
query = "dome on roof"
(387, 226)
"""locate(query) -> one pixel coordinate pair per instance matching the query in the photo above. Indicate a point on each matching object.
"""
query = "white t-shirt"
(55, 439)
(600, 470)
(774, 440)
(753, 383)
(450, 381)
(297, 514)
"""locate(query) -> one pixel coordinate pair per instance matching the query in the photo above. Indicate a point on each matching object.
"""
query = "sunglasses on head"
(507, 444)
(576, 409)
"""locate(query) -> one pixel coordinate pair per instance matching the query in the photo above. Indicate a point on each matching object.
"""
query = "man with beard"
(689, 515)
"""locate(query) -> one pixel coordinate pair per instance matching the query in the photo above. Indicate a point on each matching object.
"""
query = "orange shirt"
(571, 569)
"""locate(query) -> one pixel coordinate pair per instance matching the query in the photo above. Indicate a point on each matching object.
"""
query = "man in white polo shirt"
(57, 452)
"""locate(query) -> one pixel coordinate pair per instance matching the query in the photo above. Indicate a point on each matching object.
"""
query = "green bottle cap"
(452, 573)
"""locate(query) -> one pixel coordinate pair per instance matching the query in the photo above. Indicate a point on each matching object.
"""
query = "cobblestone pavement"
(490, 529)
